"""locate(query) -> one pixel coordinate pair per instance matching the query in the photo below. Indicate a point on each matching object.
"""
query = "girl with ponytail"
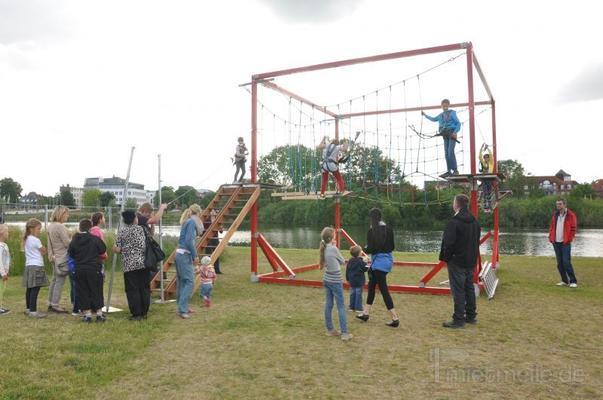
(331, 261)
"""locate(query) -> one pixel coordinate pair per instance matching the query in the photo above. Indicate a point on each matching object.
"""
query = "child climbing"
(486, 167)
(332, 153)
(449, 126)
(240, 158)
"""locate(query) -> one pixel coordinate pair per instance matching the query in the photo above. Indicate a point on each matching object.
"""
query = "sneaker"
(135, 317)
(4, 311)
(87, 318)
(455, 172)
(75, 313)
(561, 284)
(573, 285)
(35, 314)
(394, 323)
(453, 324)
(57, 309)
(333, 333)
(363, 317)
(206, 302)
(471, 321)
(185, 316)
(101, 318)
(346, 336)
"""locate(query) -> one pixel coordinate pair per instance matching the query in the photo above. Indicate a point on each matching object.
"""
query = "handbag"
(152, 253)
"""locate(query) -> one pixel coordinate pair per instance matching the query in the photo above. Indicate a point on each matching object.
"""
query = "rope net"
(389, 152)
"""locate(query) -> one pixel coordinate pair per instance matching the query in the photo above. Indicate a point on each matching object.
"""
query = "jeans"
(185, 281)
(463, 293)
(31, 298)
(563, 252)
(206, 290)
(335, 291)
(56, 286)
(449, 154)
(356, 298)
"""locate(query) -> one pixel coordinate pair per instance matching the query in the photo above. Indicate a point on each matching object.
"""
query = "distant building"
(115, 185)
(560, 184)
(598, 187)
(77, 193)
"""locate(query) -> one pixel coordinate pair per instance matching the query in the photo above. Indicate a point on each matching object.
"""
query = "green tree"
(515, 176)
(583, 191)
(107, 199)
(299, 166)
(91, 198)
(10, 190)
(291, 165)
(131, 204)
(167, 195)
(67, 198)
(186, 195)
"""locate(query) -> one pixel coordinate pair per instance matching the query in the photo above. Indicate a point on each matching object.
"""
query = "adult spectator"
(562, 233)
(380, 244)
(58, 244)
(147, 218)
(460, 249)
(186, 256)
(131, 244)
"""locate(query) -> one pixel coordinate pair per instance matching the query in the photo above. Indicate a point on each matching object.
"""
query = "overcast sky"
(83, 81)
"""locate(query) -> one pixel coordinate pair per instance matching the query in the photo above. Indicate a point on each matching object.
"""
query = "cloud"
(312, 11)
(30, 20)
(586, 86)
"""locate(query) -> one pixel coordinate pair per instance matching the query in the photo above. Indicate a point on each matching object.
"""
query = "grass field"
(533, 340)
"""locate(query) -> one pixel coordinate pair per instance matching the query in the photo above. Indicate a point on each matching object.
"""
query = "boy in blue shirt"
(449, 126)
(354, 274)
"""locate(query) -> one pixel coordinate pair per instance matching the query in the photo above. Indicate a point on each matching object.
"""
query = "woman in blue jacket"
(186, 256)
(380, 244)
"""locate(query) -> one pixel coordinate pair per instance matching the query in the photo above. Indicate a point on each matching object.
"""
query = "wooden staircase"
(233, 202)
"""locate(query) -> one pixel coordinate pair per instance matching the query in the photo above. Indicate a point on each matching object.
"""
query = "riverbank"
(534, 340)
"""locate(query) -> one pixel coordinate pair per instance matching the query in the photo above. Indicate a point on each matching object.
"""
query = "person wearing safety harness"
(331, 155)
(449, 126)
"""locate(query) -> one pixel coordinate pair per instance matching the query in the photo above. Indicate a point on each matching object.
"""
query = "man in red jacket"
(561, 234)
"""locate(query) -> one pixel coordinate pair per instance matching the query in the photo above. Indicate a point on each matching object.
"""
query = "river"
(588, 243)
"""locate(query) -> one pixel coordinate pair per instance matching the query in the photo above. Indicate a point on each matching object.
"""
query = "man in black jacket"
(460, 249)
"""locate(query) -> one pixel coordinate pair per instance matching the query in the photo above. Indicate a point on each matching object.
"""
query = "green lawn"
(533, 340)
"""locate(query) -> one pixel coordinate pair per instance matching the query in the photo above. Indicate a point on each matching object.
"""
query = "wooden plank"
(313, 196)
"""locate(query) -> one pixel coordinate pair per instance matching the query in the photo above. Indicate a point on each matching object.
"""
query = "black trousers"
(138, 291)
(31, 298)
(89, 289)
(463, 293)
(379, 278)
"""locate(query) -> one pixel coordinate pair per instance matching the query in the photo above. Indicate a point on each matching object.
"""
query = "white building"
(115, 185)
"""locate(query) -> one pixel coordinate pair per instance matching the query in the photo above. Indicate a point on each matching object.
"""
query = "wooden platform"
(309, 196)
(467, 178)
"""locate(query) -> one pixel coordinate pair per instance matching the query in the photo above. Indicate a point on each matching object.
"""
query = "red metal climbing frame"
(284, 274)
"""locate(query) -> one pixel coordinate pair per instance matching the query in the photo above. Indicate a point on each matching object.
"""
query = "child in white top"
(34, 276)
(4, 265)
(208, 278)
